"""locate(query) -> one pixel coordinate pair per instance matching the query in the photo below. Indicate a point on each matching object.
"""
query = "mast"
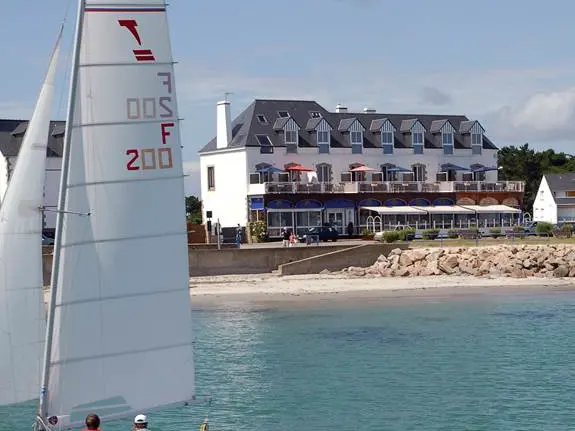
(42, 409)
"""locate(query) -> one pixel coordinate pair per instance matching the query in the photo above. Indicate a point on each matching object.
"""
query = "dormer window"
(266, 146)
(387, 142)
(323, 141)
(290, 130)
(291, 137)
(262, 119)
(476, 143)
(417, 141)
(386, 132)
(283, 114)
(356, 140)
(353, 128)
(447, 140)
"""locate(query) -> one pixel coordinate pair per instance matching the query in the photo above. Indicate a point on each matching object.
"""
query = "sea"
(488, 361)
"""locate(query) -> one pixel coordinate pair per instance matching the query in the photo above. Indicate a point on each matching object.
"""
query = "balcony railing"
(387, 187)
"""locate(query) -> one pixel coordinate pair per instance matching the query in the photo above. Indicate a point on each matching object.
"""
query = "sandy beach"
(269, 289)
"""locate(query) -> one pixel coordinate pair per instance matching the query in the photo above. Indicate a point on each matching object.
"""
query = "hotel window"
(323, 141)
(211, 178)
(418, 172)
(447, 139)
(266, 146)
(386, 175)
(417, 140)
(291, 141)
(324, 173)
(356, 139)
(476, 143)
(387, 142)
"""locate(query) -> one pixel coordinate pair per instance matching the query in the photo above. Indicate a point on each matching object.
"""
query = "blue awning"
(339, 203)
(452, 167)
(257, 203)
(398, 169)
(481, 168)
(271, 169)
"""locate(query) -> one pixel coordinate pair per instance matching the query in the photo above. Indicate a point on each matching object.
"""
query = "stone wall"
(517, 261)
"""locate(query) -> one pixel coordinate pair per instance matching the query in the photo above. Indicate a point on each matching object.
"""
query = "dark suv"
(324, 233)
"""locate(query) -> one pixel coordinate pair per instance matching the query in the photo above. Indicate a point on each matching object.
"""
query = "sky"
(509, 64)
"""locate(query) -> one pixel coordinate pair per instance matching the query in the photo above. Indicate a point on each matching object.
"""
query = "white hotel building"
(293, 163)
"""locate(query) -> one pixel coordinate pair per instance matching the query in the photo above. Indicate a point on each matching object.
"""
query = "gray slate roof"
(12, 132)
(246, 126)
(564, 181)
(437, 125)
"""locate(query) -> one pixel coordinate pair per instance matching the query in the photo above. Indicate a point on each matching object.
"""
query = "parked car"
(324, 233)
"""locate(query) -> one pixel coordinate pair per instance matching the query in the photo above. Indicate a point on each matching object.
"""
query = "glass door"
(336, 220)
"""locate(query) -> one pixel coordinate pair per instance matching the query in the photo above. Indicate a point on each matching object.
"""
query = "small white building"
(11, 135)
(293, 163)
(555, 200)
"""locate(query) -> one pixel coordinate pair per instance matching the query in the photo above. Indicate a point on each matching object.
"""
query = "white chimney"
(369, 110)
(340, 108)
(224, 124)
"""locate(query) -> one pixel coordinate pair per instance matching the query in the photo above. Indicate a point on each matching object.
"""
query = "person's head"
(140, 422)
(92, 422)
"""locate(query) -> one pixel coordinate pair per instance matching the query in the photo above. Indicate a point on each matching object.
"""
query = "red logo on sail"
(132, 26)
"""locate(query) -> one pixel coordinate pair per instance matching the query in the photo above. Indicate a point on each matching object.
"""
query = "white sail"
(22, 322)
(122, 340)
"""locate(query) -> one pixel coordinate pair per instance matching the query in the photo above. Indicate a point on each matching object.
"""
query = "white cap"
(141, 419)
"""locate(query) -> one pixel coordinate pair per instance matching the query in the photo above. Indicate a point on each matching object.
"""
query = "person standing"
(92, 422)
(350, 229)
(141, 422)
(204, 425)
(285, 236)
(238, 236)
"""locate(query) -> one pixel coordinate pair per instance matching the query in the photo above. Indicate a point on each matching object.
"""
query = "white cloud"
(515, 105)
(545, 116)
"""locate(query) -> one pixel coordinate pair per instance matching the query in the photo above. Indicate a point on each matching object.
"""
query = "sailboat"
(119, 336)
(22, 316)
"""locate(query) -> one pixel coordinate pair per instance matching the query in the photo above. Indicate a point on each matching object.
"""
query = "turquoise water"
(502, 362)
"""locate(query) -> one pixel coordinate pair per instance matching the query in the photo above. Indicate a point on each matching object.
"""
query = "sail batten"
(122, 315)
(21, 277)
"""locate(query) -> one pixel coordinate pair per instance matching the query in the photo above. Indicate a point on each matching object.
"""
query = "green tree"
(194, 209)
(525, 164)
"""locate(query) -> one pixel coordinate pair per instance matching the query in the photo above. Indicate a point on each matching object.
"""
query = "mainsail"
(121, 341)
(22, 321)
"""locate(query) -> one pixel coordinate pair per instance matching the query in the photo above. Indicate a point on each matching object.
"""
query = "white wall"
(51, 190)
(228, 201)
(3, 176)
(341, 158)
(544, 206)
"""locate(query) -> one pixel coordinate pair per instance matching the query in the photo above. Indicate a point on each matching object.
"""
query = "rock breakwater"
(518, 261)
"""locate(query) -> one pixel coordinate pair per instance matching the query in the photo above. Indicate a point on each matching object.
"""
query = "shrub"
(390, 236)
(406, 234)
(544, 227)
(495, 231)
(564, 231)
(430, 233)
(258, 231)
(453, 233)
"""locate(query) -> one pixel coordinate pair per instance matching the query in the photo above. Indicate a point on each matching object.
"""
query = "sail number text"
(152, 108)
